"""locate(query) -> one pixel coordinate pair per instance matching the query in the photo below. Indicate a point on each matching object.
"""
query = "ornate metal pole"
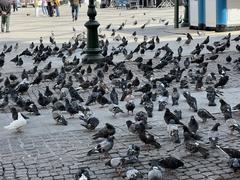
(186, 14)
(176, 14)
(93, 52)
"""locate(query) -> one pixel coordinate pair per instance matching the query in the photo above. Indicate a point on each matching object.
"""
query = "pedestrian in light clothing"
(36, 7)
(44, 7)
(57, 4)
(75, 4)
(5, 12)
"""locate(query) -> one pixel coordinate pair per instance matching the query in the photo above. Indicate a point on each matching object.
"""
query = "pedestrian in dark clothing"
(5, 11)
(50, 7)
(75, 8)
(14, 4)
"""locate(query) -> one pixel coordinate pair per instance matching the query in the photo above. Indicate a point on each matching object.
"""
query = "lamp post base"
(93, 56)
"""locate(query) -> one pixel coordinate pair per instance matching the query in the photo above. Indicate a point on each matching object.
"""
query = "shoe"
(2, 30)
(7, 31)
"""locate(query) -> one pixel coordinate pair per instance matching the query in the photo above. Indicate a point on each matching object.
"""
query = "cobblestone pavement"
(46, 151)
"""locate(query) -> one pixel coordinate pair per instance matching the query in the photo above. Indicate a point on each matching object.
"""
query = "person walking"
(50, 8)
(75, 4)
(36, 7)
(57, 4)
(44, 7)
(5, 12)
(14, 4)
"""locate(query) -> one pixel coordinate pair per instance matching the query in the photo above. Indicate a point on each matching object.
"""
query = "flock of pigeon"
(67, 87)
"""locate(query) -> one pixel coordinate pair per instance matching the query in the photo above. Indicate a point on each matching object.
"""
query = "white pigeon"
(17, 124)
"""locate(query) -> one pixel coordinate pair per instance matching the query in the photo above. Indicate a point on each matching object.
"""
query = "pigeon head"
(222, 101)
(129, 123)
(215, 127)
(13, 110)
(154, 163)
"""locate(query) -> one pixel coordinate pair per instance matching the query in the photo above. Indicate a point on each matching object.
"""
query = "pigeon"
(133, 174)
(148, 106)
(170, 162)
(204, 115)
(48, 92)
(116, 163)
(234, 163)
(70, 108)
(114, 96)
(206, 41)
(229, 59)
(132, 127)
(89, 123)
(4, 102)
(102, 100)
(196, 147)
(169, 116)
(175, 97)
(222, 81)
(147, 138)
(82, 174)
(105, 132)
(60, 119)
(231, 152)
(130, 106)
(237, 107)
(17, 124)
(133, 153)
(192, 102)
(173, 132)
(193, 125)
(213, 136)
(43, 100)
(103, 147)
(74, 94)
(188, 135)
(225, 109)
(115, 110)
(155, 173)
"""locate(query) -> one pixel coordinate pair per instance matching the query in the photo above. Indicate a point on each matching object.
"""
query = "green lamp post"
(93, 52)
(186, 14)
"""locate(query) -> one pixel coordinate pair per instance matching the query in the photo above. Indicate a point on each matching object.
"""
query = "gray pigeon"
(103, 147)
(193, 125)
(175, 96)
(116, 163)
(133, 174)
(204, 115)
(234, 163)
(59, 118)
(226, 109)
(213, 135)
(132, 153)
(115, 110)
(192, 102)
(114, 96)
(156, 172)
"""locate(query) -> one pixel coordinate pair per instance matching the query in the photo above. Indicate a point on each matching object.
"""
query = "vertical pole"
(186, 14)
(221, 15)
(176, 14)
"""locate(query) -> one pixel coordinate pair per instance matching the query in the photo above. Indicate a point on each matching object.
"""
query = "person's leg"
(57, 11)
(3, 23)
(76, 12)
(73, 9)
(7, 23)
(45, 10)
